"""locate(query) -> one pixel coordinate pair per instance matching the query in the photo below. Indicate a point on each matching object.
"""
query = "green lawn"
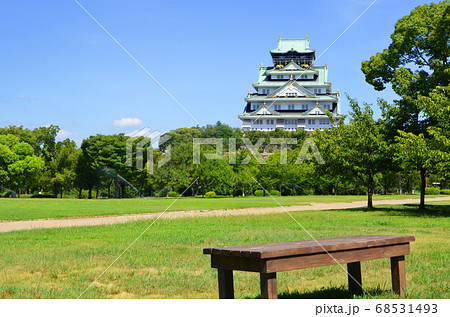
(27, 208)
(167, 262)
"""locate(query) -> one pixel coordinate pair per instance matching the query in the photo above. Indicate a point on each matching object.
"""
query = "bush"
(210, 194)
(445, 191)
(173, 194)
(274, 192)
(7, 194)
(432, 191)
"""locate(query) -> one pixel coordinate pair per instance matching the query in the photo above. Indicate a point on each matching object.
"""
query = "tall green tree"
(20, 168)
(414, 64)
(358, 148)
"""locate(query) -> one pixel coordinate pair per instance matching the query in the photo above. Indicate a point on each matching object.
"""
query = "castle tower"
(293, 93)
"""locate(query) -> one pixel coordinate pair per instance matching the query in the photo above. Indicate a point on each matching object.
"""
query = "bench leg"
(398, 274)
(226, 289)
(354, 277)
(268, 285)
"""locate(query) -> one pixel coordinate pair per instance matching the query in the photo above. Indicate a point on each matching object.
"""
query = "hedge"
(272, 192)
(432, 191)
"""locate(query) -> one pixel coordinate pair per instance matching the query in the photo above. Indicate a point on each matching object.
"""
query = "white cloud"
(21, 96)
(127, 122)
(63, 134)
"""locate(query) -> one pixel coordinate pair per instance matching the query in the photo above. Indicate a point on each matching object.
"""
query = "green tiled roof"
(298, 45)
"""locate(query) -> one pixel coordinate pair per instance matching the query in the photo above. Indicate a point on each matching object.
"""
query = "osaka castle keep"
(293, 93)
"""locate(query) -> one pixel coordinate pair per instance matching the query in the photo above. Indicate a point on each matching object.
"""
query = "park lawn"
(167, 262)
(27, 209)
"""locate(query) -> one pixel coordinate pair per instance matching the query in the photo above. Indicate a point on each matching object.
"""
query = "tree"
(414, 64)
(414, 151)
(63, 166)
(19, 167)
(437, 107)
(358, 149)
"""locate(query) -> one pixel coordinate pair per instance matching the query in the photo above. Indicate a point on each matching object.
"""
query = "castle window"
(291, 107)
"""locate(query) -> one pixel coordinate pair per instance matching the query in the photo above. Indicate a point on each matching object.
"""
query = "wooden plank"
(324, 259)
(354, 277)
(237, 263)
(268, 285)
(270, 250)
(226, 288)
(398, 274)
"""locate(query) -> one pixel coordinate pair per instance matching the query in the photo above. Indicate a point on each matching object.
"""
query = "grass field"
(167, 262)
(27, 208)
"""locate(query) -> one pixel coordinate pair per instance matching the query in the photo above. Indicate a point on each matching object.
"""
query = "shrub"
(173, 194)
(210, 194)
(7, 194)
(432, 191)
(445, 191)
(274, 192)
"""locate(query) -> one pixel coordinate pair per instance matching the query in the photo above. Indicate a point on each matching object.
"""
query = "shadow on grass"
(410, 210)
(330, 293)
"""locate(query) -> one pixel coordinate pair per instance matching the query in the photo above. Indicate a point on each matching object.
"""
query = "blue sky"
(58, 67)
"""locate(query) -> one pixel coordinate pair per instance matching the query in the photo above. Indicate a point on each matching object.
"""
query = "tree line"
(406, 149)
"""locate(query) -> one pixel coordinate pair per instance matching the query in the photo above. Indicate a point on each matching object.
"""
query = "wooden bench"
(270, 258)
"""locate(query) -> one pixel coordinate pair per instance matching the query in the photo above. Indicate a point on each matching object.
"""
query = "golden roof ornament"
(291, 77)
(326, 65)
(249, 91)
(307, 36)
(260, 66)
(264, 103)
(279, 36)
(337, 90)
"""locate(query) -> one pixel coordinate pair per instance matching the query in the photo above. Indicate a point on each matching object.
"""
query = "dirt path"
(108, 220)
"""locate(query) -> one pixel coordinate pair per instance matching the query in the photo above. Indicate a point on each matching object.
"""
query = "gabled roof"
(297, 45)
(290, 86)
(263, 111)
(317, 110)
(293, 66)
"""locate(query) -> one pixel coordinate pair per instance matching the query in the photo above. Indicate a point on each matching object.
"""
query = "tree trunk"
(96, 194)
(90, 193)
(20, 192)
(80, 193)
(61, 193)
(423, 185)
(116, 189)
(400, 189)
(370, 191)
